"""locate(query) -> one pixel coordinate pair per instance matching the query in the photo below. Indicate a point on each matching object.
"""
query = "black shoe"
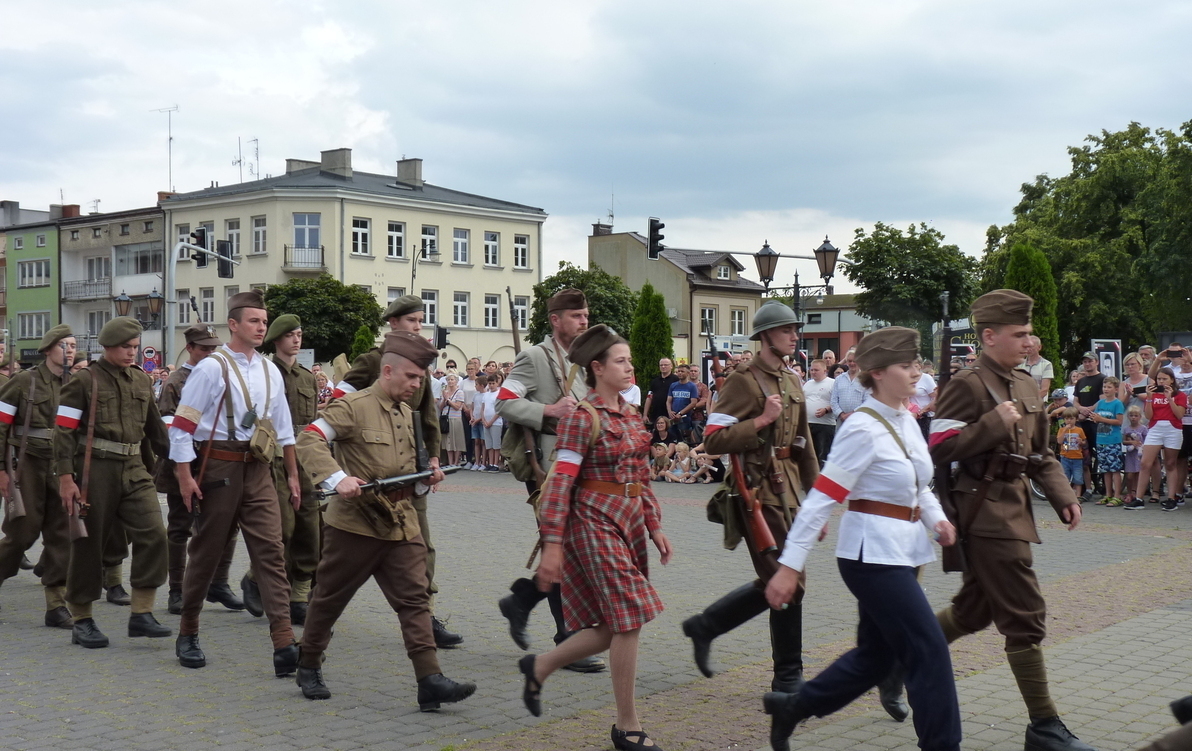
(1181, 709)
(702, 642)
(1050, 734)
(298, 613)
(736, 607)
(224, 595)
(787, 714)
(252, 597)
(591, 664)
(26, 564)
(86, 634)
(621, 740)
(38, 569)
(786, 643)
(532, 693)
(310, 680)
(435, 690)
(516, 608)
(285, 660)
(144, 624)
(174, 602)
(444, 639)
(1170, 505)
(189, 654)
(117, 595)
(59, 617)
(889, 689)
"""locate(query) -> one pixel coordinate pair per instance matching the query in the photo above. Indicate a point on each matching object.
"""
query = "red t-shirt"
(1161, 409)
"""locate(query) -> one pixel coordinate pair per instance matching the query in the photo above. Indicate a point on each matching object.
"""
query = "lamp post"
(155, 300)
(431, 255)
(826, 257)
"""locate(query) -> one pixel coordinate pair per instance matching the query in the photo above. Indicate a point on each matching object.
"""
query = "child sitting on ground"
(680, 468)
(1070, 441)
(660, 464)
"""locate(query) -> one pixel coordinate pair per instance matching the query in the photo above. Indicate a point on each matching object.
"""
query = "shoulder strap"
(87, 450)
(996, 399)
(591, 410)
(223, 364)
(556, 366)
(873, 413)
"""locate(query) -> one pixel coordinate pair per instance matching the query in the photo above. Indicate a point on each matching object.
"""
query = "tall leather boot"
(890, 691)
(516, 607)
(786, 640)
(722, 616)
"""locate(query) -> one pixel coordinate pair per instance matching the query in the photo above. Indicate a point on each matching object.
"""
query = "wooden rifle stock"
(759, 531)
(527, 434)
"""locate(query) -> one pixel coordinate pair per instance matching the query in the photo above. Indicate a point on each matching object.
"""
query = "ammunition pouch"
(999, 465)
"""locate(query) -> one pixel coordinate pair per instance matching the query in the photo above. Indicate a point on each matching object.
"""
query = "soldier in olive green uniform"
(370, 534)
(28, 405)
(407, 314)
(113, 398)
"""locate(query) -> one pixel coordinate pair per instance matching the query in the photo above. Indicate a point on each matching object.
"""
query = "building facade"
(14, 218)
(831, 322)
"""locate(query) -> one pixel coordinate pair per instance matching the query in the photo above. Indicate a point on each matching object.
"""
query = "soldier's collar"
(988, 363)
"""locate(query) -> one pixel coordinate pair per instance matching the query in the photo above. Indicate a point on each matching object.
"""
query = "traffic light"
(224, 263)
(199, 236)
(654, 245)
(440, 338)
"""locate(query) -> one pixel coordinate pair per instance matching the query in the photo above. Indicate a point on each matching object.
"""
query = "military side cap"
(410, 346)
(53, 336)
(889, 346)
(118, 331)
(402, 306)
(566, 299)
(202, 335)
(1002, 306)
(591, 344)
(250, 299)
(283, 324)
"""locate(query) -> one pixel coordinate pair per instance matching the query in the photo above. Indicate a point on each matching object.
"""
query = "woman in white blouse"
(880, 465)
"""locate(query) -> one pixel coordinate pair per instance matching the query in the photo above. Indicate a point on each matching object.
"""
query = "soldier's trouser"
(299, 531)
(179, 524)
(121, 493)
(250, 500)
(432, 589)
(766, 564)
(399, 569)
(115, 550)
(43, 516)
(1000, 588)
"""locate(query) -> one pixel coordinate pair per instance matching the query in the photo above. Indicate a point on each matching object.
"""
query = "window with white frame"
(96, 320)
(146, 261)
(459, 246)
(430, 301)
(737, 322)
(18, 243)
(183, 231)
(258, 234)
(430, 240)
(33, 273)
(229, 292)
(396, 292)
(182, 297)
(492, 249)
(364, 288)
(74, 234)
(32, 325)
(521, 306)
(722, 272)
(707, 321)
(207, 305)
(361, 229)
(41, 241)
(395, 246)
(521, 251)
(203, 259)
(306, 230)
(492, 311)
(99, 267)
(232, 230)
(459, 310)
(260, 287)
(97, 232)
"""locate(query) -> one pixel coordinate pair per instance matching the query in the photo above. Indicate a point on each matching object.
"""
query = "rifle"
(951, 557)
(759, 531)
(527, 434)
(385, 484)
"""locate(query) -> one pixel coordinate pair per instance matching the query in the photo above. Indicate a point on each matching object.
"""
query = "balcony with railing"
(86, 289)
(305, 260)
(3, 297)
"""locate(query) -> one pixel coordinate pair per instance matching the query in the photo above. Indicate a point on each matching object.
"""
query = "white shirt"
(818, 395)
(633, 395)
(469, 387)
(202, 414)
(488, 403)
(866, 462)
(923, 391)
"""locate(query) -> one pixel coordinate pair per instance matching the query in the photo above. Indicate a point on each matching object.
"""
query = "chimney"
(409, 171)
(164, 194)
(55, 211)
(337, 162)
(296, 165)
(70, 210)
(10, 213)
(600, 228)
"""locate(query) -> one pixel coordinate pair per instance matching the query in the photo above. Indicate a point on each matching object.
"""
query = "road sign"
(149, 353)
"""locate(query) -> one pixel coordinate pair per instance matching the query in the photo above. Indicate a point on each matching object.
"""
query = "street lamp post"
(431, 255)
(826, 257)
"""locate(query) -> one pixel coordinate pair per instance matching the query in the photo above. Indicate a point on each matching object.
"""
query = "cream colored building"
(364, 229)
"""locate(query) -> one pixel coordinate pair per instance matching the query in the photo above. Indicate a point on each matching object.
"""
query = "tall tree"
(365, 339)
(609, 301)
(650, 338)
(1028, 271)
(331, 312)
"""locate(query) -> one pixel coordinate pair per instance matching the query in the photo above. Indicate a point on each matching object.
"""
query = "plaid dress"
(604, 537)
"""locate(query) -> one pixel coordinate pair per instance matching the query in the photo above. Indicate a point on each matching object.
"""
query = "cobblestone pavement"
(1118, 651)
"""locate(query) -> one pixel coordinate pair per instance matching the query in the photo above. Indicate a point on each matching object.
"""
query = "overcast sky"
(735, 122)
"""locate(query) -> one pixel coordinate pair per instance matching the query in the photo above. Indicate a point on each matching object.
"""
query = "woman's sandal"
(621, 740)
(532, 693)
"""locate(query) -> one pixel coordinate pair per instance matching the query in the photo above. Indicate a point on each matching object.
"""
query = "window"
(396, 292)
(182, 296)
(492, 311)
(737, 322)
(360, 233)
(183, 231)
(459, 310)
(146, 261)
(97, 232)
(96, 320)
(521, 305)
(815, 318)
(259, 287)
(258, 234)
(492, 249)
(722, 272)
(207, 305)
(306, 230)
(363, 288)
(459, 247)
(430, 301)
(99, 267)
(229, 291)
(430, 240)
(521, 251)
(124, 229)
(74, 234)
(396, 237)
(41, 241)
(707, 321)
(147, 226)
(203, 259)
(18, 243)
(232, 230)
(32, 325)
(33, 273)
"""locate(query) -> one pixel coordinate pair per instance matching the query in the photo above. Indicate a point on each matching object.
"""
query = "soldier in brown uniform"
(105, 414)
(369, 534)
(760, 415)
(407, 314)
(28, 405)
(200, 342)
(991, 420)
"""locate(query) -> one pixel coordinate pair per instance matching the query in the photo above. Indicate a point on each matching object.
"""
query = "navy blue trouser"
(897, 623)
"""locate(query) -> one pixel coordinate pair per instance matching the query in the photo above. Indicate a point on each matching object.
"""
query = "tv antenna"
(239, 160)
(95, 206)
(612, 201)
(169, 140)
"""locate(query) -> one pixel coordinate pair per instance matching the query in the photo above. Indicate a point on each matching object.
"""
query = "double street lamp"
(154, 299)
(826, 257)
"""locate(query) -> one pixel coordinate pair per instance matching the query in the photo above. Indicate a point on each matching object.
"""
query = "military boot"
(118, 595)
(252, 597)
(285, 660)
(1050, 734)
(1181, 709)
(86, 634)
(719, 618)
(310, 680)
(224, 595)
(144, 624)
(298, 613)
(444, 639)
(890, 691)
(435, 690)
(174, 602)
(190, 655)
(786, 641)
(59, 617)
(516, 607)
(26, 564)
(787, 712)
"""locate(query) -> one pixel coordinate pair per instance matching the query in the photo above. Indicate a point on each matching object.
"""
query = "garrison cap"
(889, 346)
(281, 325)
(250, 299)
(53, 336)
(1008, 306)
(410, 346)
(592, 344)
(566, 299)
(118, 331)
(403, 305)
(202, 335)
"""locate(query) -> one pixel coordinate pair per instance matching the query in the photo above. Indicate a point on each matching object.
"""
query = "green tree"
(365, 339)
(331, 312)
(1028, 271)
(650, 338)
(609, 301)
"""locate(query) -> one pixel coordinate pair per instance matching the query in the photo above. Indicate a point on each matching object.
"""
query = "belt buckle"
(916, 513)
(628, 487)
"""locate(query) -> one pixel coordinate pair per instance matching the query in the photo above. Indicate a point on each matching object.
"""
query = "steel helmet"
(770, 316)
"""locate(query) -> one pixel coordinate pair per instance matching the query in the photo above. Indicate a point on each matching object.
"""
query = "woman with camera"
(1164, 412)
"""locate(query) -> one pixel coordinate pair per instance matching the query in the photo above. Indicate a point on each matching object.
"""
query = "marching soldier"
(201, 341)
(231, 417)
(991, 420)
(28, 404)
(407, 314)
(373, 534)
(105, 414)
(8, 367)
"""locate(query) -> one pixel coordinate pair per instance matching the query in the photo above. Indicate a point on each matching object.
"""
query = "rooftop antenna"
(170, 139)
(239, 160)
(612, 201)
(255, 168)
(95, 206)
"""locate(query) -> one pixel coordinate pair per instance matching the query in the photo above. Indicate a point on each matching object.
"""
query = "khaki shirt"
(301, 393)
(14, 392)
(366, 369)
(533, 383)
(374, 439)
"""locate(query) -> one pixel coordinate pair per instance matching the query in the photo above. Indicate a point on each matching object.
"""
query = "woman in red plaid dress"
(596, 514)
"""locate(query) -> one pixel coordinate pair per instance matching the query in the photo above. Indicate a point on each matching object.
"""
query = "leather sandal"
(532, 693)
(622, 742)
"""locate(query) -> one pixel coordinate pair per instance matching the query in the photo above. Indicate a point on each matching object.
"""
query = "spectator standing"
(681, 400)
(1071, 443)
(829, 358)
(1039, 367)
(820, 418)
(1088, 393)
(1133, 436)
(1181, 365)
(468, 384)
(493, 424)
(847, 391)
(923, 402)
(477, 421)
(633, 395)
(1147, 353)
(1133, 389)
(665, 433)
(1108, 414)
(1070, 389)
(699, 415)
(1055, 408)
(1165, 410)
(659, 389)
(324, 387)
(452, 405)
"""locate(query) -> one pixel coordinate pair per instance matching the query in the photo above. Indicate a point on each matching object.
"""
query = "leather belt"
(623, 489)
(233, 456)
(112, 447)
(34, 432)
(889, 510)
(782, 452)
(400, 494)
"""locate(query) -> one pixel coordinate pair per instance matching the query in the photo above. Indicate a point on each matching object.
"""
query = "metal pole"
(796, 304)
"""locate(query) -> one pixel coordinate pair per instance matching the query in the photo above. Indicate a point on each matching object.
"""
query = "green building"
(32, 272)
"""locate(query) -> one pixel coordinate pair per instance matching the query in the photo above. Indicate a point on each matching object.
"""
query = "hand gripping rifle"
(527, 434)
(15, 508)
(423, 470)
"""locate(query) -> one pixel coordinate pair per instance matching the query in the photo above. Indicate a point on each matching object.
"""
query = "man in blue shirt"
(681, 400)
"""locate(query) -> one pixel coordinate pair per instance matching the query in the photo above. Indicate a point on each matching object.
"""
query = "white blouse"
(867, 463)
